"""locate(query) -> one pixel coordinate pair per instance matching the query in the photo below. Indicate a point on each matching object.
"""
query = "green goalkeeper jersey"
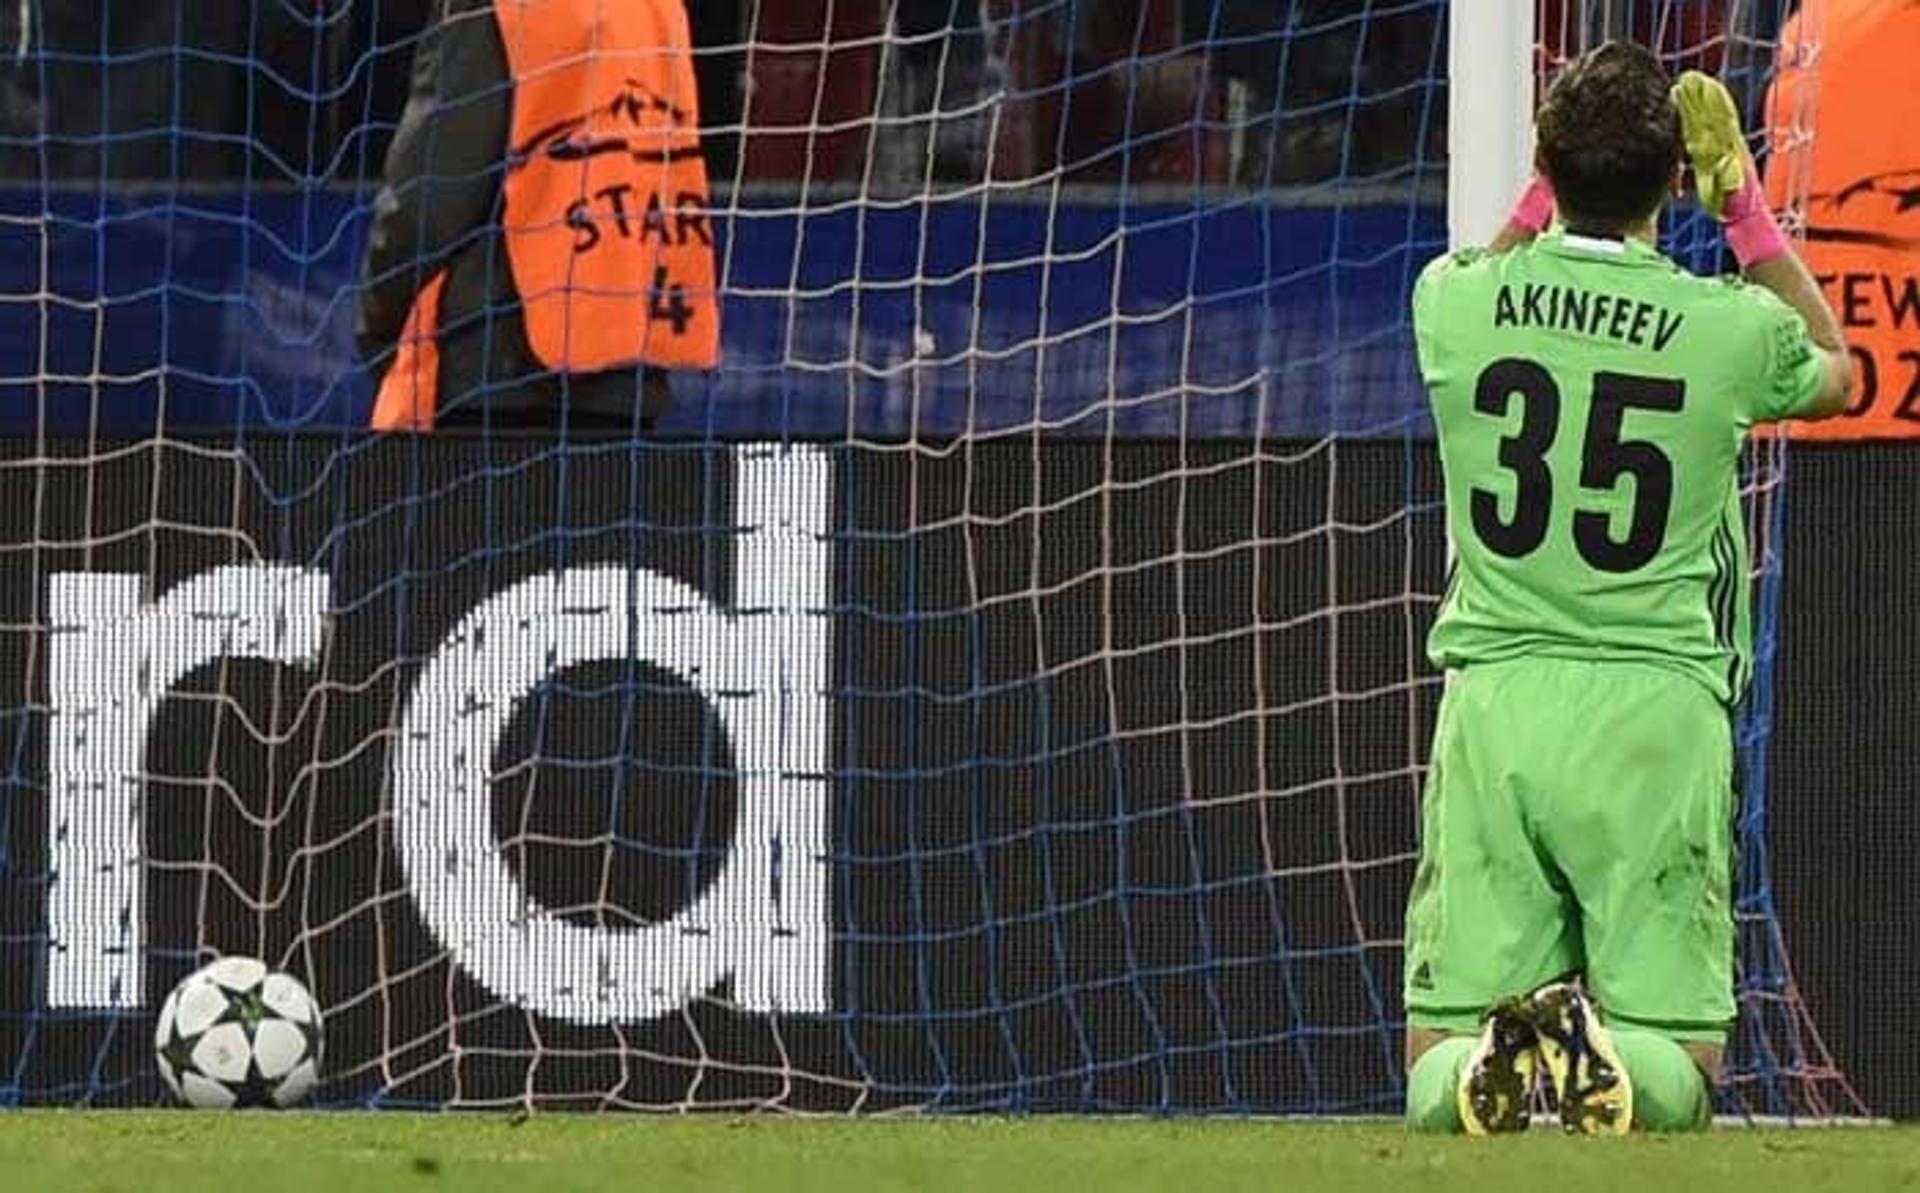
(1591, 398)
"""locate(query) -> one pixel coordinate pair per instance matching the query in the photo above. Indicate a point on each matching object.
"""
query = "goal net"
(999, 685)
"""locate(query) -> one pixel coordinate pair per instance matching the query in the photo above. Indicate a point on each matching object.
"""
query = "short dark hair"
(1608, 136)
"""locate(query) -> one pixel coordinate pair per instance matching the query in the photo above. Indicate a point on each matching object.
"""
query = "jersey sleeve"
(1792, 369)
(1427, 308)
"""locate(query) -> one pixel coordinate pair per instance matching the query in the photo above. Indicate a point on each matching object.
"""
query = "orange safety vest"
(606, 201)
(1844, 117)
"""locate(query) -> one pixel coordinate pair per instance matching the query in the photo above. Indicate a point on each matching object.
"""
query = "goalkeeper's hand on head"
(1723, 171)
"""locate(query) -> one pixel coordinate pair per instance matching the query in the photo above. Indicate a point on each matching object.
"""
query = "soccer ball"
(235, 1033)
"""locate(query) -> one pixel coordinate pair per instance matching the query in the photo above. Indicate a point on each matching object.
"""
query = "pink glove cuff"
(1752, 232)
(1533, 210)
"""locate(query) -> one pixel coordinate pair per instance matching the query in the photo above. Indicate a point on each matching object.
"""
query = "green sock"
(1669, 1091)
(1433, 1087)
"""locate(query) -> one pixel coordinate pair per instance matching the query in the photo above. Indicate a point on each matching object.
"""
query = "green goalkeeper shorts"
(1577, 819)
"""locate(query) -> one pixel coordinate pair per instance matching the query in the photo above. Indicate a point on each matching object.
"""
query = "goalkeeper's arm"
(1789, 279)
(1728, 184)
(1531, 214)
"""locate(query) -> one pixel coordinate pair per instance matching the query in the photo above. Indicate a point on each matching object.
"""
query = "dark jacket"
(439, 206)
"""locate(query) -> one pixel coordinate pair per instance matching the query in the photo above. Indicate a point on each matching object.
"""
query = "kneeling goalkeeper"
(1571, 919)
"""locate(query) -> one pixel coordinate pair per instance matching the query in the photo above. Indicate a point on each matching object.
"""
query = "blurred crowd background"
(882, 93)
(886, 94)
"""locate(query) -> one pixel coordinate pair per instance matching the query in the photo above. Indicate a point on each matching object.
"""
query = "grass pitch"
(140, 1152)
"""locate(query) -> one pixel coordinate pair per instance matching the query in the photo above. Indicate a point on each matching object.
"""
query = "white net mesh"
(1000, 685)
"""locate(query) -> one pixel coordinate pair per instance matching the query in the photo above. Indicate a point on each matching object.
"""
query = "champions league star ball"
(234, 1033)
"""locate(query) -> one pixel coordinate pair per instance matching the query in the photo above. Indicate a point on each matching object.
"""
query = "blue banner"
(1228, 316)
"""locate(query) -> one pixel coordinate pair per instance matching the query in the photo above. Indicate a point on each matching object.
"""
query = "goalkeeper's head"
(1608, 138)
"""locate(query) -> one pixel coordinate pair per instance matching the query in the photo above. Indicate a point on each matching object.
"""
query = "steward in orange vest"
(541, 248)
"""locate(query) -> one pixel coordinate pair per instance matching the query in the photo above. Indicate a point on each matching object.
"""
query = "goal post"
(1491, 52)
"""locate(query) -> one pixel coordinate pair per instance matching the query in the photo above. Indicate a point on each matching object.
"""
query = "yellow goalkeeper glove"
(1714, 140)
